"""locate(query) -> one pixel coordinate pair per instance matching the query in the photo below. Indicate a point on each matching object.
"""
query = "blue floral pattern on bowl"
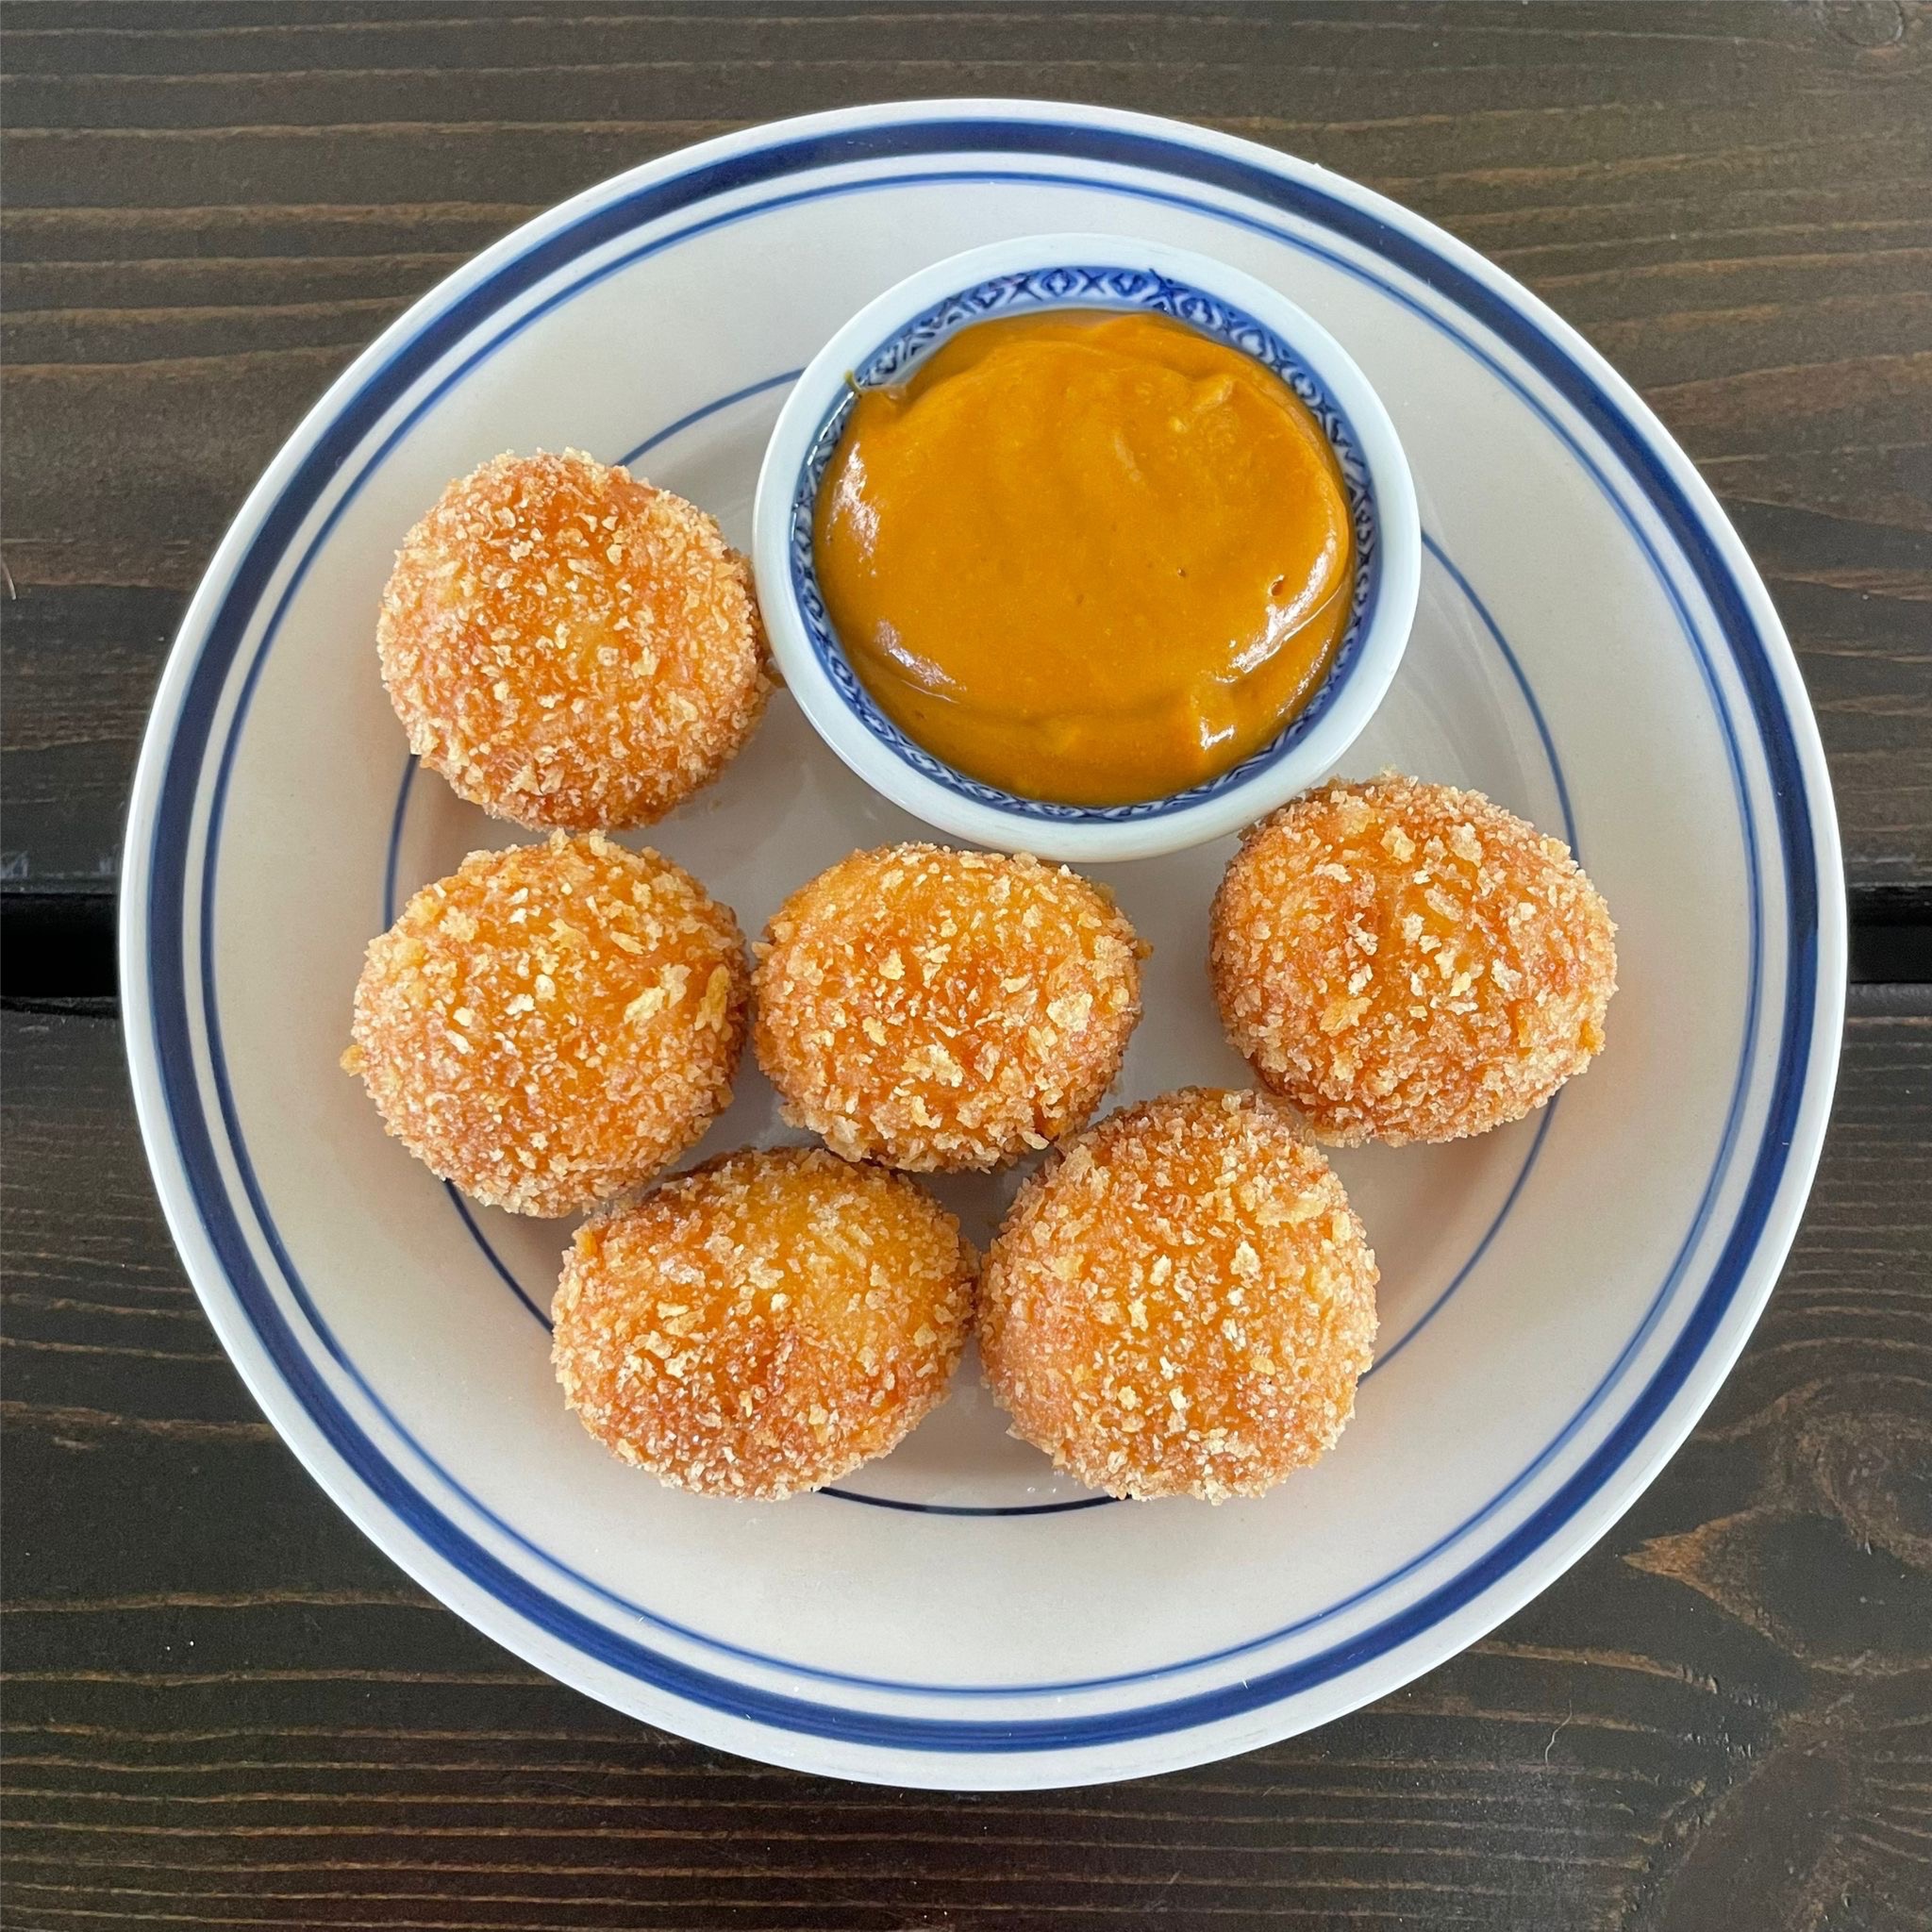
(1066, 287)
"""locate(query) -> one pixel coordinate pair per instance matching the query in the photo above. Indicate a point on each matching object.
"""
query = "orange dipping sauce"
(1087, 556)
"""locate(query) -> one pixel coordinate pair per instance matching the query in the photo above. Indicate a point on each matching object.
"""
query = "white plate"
(1560, 1300)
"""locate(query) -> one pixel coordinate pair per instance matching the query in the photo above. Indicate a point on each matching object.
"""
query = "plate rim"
(1532, 1573)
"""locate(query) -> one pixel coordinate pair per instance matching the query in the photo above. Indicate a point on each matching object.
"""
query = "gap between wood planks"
(57, 943)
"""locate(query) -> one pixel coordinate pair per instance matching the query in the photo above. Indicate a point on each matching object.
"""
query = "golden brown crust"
(1181, 1302)
(553, 1023)
(1408, 963)
(569, 647)
(764, 1323)
(942, 1010)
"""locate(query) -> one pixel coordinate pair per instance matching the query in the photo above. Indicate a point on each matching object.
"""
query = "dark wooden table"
(222, 1707)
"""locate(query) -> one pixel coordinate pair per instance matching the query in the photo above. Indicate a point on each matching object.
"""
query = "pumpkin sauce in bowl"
(1088, 556)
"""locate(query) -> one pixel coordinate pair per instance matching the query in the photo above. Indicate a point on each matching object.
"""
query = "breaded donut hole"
(553, 1023)
(569, 647)
(1181, 1302)
(1406, 962)
(764, 1323)
(942, 1010)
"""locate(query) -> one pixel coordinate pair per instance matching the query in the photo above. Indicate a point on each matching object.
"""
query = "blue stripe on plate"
(173, 1031)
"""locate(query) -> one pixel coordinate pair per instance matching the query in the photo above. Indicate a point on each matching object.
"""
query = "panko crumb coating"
(1181, 1302)
(1406, 962)
(944, 1010)
(569, 647)
(764, 1323)
(553, 1023)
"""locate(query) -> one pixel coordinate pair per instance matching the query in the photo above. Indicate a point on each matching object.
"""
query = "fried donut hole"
(1406, 962)
(942, 1010)
(1181, 1302)
(764, 1323)
(569, 647)
(554, 1023)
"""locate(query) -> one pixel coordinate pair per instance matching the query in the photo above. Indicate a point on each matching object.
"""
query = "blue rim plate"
(1561, 1300)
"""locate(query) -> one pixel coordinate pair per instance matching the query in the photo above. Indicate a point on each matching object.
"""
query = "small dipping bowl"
(885, 341)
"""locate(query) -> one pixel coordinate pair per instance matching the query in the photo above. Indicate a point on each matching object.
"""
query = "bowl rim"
(1307, 749)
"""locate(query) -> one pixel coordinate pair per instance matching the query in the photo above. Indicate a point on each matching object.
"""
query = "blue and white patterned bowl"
(888, 337)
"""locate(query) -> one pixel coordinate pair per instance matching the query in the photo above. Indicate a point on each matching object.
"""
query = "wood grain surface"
(209, 209)
(222, 1707)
